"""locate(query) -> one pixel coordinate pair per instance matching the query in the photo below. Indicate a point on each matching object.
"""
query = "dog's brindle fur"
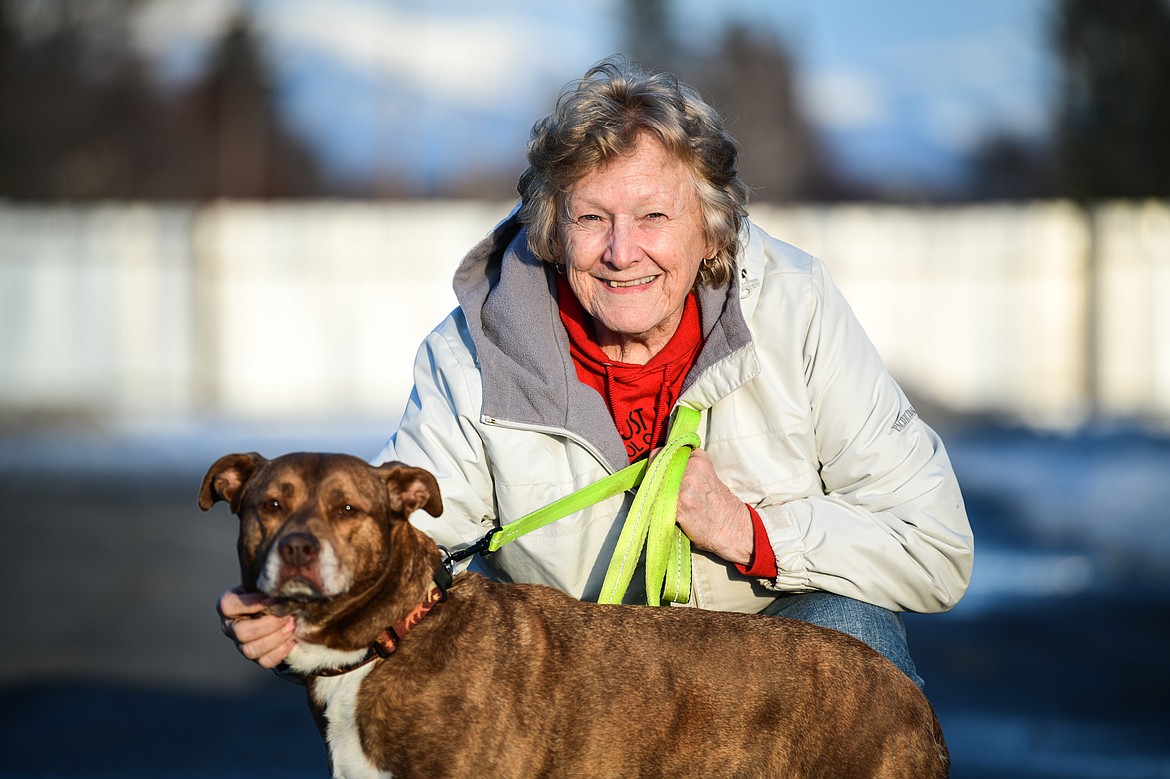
(507, 680)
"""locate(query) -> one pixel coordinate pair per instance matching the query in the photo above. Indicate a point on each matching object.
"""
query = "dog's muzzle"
(293, 569)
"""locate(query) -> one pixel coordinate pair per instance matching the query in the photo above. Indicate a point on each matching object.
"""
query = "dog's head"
(314, 527)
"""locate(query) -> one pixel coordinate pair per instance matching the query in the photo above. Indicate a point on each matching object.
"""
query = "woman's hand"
(262, 637)
(713, 518)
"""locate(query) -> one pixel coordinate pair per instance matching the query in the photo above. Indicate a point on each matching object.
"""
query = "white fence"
(1042, 312)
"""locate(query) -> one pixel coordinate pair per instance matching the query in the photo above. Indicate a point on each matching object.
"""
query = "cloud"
(954, 124)
(469, 58)
(844, 99)
(430, 85)
(967, 87)
(472, 53)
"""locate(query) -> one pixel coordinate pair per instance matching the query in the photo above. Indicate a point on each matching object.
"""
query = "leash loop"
(650, 523)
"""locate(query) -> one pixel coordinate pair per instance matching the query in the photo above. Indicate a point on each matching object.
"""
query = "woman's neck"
(637, 349)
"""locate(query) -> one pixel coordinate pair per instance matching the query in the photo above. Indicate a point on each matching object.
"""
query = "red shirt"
(640, 397)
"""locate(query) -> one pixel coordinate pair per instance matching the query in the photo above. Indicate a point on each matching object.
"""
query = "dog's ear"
(411, 489)
(226, 479)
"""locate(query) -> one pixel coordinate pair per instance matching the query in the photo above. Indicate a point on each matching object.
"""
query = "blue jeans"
(880, 628)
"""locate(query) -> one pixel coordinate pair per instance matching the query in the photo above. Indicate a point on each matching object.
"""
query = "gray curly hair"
(600, 117)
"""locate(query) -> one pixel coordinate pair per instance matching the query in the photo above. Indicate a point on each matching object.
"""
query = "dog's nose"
(298, 549)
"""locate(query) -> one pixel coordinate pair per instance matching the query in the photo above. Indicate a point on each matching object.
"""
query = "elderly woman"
(628, 282)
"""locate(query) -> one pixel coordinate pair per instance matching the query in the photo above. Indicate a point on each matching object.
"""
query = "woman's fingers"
(711, 515)
(266, 639)
(262, 637)
(236, 603)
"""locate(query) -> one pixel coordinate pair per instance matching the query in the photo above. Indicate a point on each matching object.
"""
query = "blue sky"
(899, 88)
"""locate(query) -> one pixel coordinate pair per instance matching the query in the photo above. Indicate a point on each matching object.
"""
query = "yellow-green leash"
(650, 521)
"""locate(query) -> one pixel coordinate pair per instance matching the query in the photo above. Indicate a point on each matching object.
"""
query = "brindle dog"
(412, 675)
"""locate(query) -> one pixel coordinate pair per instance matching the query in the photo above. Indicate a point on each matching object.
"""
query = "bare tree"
(240, 137)
(751, 78)
(77, 116)
(81, 118)
(648, 33)
(1115, 102)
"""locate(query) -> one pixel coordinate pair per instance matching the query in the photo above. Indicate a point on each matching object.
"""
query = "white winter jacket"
(800, 418)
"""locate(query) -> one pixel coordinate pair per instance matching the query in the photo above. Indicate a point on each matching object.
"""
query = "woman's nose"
(623, 248)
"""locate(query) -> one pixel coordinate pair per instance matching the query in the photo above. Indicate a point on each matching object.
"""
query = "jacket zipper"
(583, 443)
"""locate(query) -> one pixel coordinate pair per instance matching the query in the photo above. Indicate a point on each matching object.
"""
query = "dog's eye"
(347, 510)
(271, 506)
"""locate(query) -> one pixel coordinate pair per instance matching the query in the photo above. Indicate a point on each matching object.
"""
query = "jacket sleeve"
(890, 528)
(438, 432)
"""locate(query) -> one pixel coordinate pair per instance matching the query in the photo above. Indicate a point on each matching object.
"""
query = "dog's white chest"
(338, 696)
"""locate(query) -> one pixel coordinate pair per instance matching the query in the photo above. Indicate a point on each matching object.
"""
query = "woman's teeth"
(634, 283)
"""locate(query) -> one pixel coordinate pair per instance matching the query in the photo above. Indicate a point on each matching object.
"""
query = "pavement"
(1053, 666)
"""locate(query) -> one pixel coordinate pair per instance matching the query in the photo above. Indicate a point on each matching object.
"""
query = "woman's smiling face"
(632, 248)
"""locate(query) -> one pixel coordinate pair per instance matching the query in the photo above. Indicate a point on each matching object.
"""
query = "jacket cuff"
(788, 548)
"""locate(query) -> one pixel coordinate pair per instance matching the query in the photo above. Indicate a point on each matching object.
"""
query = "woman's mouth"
(632, 283)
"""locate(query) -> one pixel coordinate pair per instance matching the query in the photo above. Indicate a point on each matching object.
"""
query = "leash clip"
(481, 547)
